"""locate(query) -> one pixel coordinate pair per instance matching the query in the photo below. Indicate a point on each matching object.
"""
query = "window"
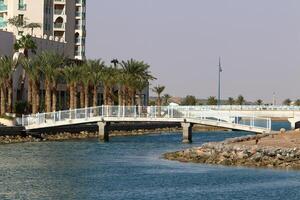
(21, 18)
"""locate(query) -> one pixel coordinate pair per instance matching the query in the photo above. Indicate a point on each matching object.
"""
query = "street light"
(219, 85)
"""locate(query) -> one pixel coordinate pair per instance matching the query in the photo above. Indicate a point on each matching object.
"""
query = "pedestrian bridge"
(186, 115)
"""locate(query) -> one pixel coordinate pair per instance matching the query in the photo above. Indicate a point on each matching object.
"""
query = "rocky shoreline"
(232, 153)
(81, 135)
(61, 136)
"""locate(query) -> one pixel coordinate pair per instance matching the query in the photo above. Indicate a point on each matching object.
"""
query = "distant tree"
(17, 22)
(240, 100)
(25, 43)
(297, 102)
(212, 100)
(259, 102)
(230, 101)
(287, 102)
(158, 90)
(166, 98)
(189, 100)
(151, 103)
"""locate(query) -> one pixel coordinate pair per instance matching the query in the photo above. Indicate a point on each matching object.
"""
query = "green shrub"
(22, 107)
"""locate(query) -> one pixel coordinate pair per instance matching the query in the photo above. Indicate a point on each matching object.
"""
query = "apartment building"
(60, 20)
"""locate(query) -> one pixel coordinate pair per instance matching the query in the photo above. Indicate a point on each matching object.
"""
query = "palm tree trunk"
(37, 96)
(159, 104)
(48, 96)
(95, 96)
(86, 96)
(82, 100)
(111, 96)
(120, 95)
(29, 93)
(75, 96)
(54, 97)
(105, 94)
(3, 101)
(124, 96)
(9, 101)
(71, 93)
(34, 99)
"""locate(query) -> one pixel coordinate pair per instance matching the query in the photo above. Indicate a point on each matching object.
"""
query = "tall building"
(60, 20)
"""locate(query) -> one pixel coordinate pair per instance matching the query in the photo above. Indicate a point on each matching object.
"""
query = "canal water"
(132, 168)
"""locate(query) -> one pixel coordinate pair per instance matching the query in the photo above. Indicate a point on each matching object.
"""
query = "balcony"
(79, 41)
(59, 1)
(3, 7)
(59, 12)
(59, 26)
(3, 24)
(78, 14)
(22, 6)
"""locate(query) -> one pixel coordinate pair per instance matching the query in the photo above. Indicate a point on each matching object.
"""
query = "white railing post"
(123, 111)
(23, 123)
(140, 110)
(86, 112)
(134, 108)
(75, 111)
(168, 111)
(154, 111)
(102, 110)
(59, 115)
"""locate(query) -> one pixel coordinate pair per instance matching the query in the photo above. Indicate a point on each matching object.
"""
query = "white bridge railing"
(143, 113)
(252, 108)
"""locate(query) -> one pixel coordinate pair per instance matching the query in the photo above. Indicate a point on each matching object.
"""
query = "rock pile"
(231, 154)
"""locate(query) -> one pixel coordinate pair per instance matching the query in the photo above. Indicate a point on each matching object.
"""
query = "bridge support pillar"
(187, 132)
(103, 131)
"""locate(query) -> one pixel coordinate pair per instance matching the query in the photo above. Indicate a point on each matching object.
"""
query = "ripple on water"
(132, 168)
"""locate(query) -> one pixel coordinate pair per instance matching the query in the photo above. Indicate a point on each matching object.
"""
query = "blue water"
(132, 168)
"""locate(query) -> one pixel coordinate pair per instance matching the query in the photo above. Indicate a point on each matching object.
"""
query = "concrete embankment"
(246, 151)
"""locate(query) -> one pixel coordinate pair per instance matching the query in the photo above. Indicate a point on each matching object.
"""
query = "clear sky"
(258, 40)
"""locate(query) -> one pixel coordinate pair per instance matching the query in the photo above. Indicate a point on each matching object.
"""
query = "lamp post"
(219, 84)
(115, 62)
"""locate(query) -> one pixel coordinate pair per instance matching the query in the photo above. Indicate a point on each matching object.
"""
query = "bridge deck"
(190, 114)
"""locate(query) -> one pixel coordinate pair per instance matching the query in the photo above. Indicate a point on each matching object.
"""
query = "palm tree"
(287, 102)
(85, 72)
(2, 85)
(8, 67)
(230, 101)
(32, 68)
(240, 100)
(212, 100)
(259, 102)
(297, 102)
(166, 97)
(97, 66)
(158, 90)
(56, 77)
(135, 73)
(50, 62)
(71, 76)
(24, 44)
(108, 80)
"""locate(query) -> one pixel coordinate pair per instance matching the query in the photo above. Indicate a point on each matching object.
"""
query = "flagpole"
(219, 85)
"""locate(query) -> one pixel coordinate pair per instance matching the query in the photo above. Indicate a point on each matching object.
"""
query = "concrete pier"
(103, 131)
(187, 132)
